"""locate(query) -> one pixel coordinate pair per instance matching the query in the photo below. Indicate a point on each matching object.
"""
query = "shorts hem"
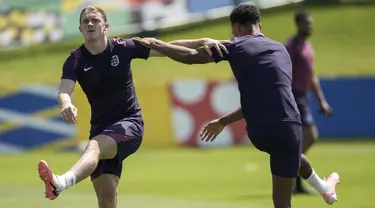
(285, 175)
(109, 173)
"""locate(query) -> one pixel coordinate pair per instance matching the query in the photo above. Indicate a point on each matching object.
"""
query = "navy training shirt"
(263, 70)
(107, 80)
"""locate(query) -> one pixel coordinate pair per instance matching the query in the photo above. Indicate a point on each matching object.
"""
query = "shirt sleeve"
(134, 49)
(216, 56)
(68, 71)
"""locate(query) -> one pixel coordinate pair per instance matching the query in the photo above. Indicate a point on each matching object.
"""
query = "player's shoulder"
(76, 53)
(273, 42)
(122, 42)
(294, 41)
(251, 39)
(73, 58)
(290, 40)
(118, 41)
(255, 42)
(239, 39)
(237, 42)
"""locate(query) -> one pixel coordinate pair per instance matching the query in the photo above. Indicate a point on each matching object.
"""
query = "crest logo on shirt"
(115, 60)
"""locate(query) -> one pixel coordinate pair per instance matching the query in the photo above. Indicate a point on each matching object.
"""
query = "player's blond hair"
(91, 9)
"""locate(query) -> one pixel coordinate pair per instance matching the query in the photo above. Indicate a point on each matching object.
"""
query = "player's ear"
(106, 26)
(79, 28)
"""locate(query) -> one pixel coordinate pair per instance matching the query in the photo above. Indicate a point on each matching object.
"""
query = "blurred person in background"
(102, 67)
(304, 79)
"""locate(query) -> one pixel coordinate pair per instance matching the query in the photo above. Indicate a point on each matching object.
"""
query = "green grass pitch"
(237, 177)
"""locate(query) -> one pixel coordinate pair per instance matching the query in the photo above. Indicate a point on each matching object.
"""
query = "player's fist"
(211, 130)
(325, 109)
(69, 113)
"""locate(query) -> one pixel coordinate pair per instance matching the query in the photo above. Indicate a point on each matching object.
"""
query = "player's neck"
(253, 33)
(253, 30)
(249, 29)
(301, 37)
(96, 46)
(256, 33)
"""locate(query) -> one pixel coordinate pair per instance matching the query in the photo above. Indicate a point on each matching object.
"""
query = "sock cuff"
(70, 176)
(312, 175)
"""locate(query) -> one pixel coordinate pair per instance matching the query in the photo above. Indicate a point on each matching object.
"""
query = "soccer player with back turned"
(263, 70)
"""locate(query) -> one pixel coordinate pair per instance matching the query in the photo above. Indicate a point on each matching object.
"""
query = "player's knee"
(92, 147)
(105, 145)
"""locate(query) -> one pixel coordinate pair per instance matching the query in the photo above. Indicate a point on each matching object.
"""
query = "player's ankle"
(317, 183)
(67, 180)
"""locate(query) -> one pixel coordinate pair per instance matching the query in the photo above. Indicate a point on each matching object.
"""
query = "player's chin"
(90, 37)
(92, 34)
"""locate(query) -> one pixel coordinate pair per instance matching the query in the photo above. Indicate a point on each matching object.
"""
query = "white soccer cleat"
(333, 180)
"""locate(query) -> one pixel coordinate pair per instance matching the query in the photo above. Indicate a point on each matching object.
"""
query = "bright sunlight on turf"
(223, 178)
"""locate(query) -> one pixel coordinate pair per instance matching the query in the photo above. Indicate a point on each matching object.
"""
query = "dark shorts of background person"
(303, 105)
(128, 134)
(283, 142)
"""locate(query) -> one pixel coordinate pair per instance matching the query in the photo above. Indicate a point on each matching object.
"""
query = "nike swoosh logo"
(86, 69)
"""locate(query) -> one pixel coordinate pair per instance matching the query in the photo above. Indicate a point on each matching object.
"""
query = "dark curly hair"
(300, 16)
(245, 13)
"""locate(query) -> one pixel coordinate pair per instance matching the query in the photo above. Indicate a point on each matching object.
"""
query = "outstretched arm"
(145, 52)
(188, 43)
(186, 55)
